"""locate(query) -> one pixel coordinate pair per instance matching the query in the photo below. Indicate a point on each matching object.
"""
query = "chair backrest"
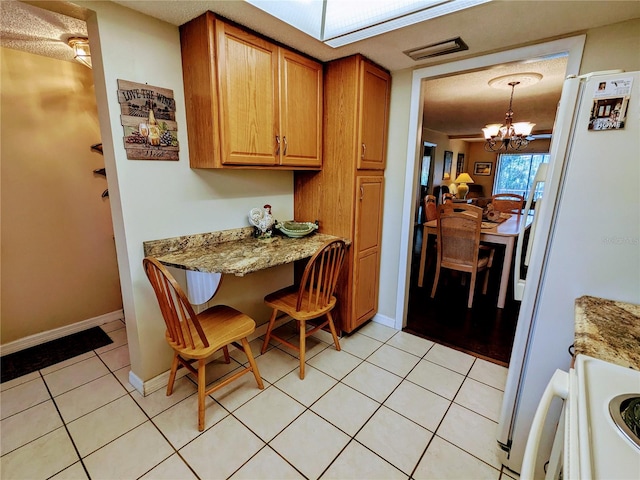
(447, 198)
(459, 227)
(181, 320)
(320, 276)
(439, 191)
(430, 208)
(508, 202)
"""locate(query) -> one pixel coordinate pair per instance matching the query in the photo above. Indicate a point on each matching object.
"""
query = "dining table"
(503, 233)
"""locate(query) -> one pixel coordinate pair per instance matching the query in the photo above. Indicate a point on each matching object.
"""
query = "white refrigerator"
(586, 242)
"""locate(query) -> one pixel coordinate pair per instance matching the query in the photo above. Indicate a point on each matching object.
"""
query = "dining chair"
(311, 299)
(430, 208)
(458, 245)
(507, 202)
(196, 337)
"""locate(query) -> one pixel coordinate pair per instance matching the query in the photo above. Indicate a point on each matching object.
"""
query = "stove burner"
(625, 412)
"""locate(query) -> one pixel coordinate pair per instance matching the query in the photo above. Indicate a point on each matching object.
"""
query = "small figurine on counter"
(262, 220)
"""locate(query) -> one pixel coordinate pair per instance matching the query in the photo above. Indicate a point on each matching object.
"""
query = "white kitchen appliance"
(586, 242)
(594, 438)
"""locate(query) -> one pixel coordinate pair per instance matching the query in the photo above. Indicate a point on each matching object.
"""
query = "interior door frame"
(571, 46)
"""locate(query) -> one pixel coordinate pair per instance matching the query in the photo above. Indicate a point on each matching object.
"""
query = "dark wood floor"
(484, 330)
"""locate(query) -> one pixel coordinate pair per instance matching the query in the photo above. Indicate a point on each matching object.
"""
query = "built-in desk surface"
(235, 251)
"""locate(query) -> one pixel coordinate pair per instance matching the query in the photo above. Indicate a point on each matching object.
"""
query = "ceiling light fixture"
(514, 136)
(437, 49)
(81, 52)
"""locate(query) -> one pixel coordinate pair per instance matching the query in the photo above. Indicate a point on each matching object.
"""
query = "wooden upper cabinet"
(265, 100)
(300, 110)
(249, 97)
(373, 116)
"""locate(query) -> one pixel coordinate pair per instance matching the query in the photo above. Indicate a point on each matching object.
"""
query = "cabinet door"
(300, 110)
(368, 212)
(366, 244)
(373, 116)
(249, 97)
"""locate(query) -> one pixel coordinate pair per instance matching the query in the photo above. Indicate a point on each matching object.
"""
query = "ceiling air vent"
(437, 49)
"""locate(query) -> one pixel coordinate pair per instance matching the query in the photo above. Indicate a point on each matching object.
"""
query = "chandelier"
(510, 136)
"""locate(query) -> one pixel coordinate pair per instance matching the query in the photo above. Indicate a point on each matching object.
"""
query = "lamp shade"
(464, 178)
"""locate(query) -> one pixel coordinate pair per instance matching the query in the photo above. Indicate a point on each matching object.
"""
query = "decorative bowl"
(296, 229)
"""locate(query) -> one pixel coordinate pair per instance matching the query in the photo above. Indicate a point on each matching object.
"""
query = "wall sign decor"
(148, 116)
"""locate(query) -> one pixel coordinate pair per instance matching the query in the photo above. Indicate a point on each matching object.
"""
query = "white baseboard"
(160, 381)
(384, 320)
(43, 337)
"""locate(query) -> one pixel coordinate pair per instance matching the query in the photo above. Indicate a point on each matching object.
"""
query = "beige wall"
(160, 199)
(443, 143)
(58, 252)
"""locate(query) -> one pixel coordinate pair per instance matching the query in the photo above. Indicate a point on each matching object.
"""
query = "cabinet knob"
(284, 139)
(364, 150)
(361, 192)
(277, 145)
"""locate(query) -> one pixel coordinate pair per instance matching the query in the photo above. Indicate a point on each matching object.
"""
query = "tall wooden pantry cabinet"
(347, 195)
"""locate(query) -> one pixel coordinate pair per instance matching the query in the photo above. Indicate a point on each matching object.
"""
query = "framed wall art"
(460, 164)
(448, 159)
(482, 168)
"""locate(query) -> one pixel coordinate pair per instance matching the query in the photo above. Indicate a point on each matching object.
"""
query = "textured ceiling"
(461, 105)
(457, 105)
(34, 30)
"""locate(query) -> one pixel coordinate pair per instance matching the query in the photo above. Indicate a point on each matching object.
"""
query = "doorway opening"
(485, 330)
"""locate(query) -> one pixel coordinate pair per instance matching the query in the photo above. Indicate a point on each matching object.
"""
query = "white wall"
(159, 199)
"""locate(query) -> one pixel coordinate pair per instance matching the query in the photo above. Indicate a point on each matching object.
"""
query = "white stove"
(588, 444)
(604, 450)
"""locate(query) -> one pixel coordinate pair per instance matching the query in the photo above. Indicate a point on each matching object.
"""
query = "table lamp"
(462, 181)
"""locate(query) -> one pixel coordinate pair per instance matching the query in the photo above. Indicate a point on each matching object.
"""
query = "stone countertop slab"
(234, 252)
(608, 330)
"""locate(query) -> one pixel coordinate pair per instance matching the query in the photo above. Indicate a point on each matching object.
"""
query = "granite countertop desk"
(608, 330)
(235, 251)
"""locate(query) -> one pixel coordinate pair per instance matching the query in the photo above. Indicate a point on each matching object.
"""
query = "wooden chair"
(507, 202)
(447, 198)
(430, 208)
(195, 337)
(313, 298)
(458, 245)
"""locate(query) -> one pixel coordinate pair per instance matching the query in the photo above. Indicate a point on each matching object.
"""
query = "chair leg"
(252, 362)
(172, 374)
(303, 338)
(227, 358)
(201, 384)
(435, 280)
(267, 336)
(334, 334)
(485, 284)
(472, 287)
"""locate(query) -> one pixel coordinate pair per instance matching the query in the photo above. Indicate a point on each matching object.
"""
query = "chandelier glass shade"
(510, 136)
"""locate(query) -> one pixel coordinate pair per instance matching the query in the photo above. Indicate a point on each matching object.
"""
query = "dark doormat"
(44, 355)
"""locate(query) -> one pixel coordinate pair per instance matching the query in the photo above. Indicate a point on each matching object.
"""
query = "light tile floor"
(389, 405)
